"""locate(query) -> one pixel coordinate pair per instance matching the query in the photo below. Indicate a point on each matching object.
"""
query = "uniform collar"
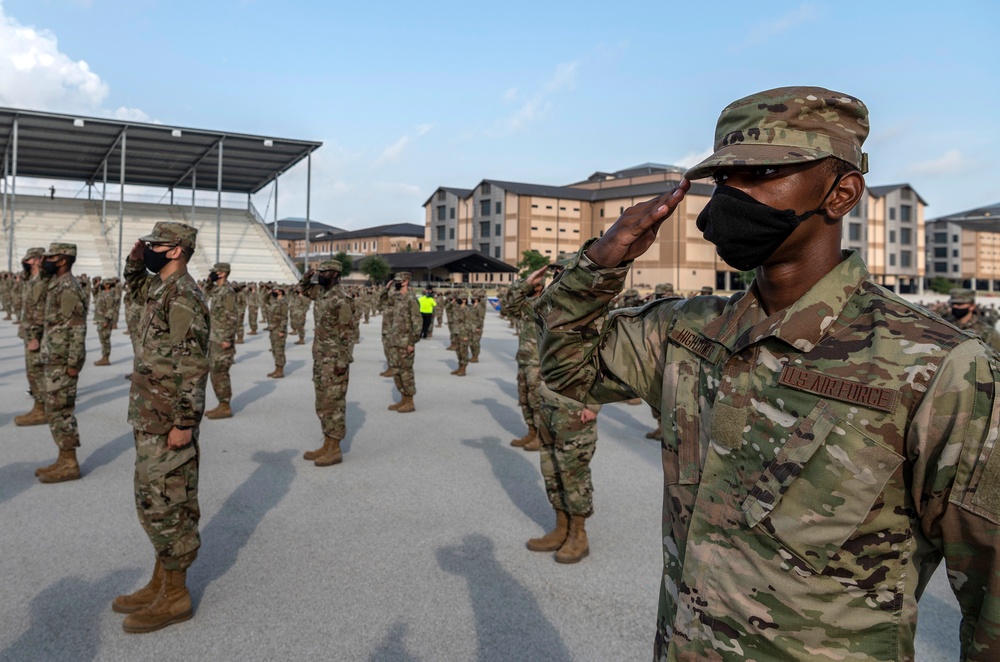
(803, 324)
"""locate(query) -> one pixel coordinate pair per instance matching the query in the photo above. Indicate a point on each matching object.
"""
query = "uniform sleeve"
(187, 322)
(73, 310)
(957, 470)
(138, 283)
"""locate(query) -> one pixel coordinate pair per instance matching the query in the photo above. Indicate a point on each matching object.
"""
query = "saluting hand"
(634, 231)
(137, 249)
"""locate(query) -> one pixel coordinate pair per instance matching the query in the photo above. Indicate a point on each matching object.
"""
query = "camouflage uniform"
(168, 390)
(332, 351)
(528, 378)
(461, 320)
(567, 447)
(298, 308)
(253, 306)
(241, 312)
(478, 322)
(63, 348)
(104, 315)
(404, 331)
(33, 296)
(223, 330)
(818, 462)
(979, 324)
(277, 328)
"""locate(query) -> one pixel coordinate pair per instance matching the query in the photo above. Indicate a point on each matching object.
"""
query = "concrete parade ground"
(411, 550)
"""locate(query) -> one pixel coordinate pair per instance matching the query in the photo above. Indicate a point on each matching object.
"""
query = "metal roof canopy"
(74, 147)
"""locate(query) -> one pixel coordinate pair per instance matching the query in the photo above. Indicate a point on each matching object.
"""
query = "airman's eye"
(764, 171)
(719, 178)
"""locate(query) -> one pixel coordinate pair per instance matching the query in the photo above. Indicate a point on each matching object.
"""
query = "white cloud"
(950, 163)
(539, 104)
(510, 95)
(35, 74)
(394, 152)
(764, 31)
(692, 158)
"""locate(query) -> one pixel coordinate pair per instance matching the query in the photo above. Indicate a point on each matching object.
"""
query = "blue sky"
(411, 96)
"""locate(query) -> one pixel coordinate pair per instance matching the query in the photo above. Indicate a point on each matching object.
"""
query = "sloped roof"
(462, 193)
(453, 261)
(989, 212)
(882, 191)
(391, 230)
(75, 147)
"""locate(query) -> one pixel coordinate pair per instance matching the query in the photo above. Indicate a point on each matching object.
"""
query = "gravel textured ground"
(412, 549)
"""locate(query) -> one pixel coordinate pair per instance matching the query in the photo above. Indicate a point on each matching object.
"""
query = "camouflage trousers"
(220, 361)
(298, 324)
(278, 342)
(330, 380)
(439, 315)
(566, 450)
(241, 316)
(528, 380)
(387, 349)
(475, 341)
(104, 335)
(166, 497)
(33, 368)
(402, 361)
(252, 311)
(60, 405)
(461, 348)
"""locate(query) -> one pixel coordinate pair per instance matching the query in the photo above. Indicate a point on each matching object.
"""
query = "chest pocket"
(681, 421)
(820, 487)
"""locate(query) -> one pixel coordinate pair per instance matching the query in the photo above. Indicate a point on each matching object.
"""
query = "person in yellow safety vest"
(427, 305)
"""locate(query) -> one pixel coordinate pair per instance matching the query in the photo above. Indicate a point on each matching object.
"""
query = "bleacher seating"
(244, 243)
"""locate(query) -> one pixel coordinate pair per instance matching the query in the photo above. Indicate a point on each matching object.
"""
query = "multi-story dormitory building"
(965, 248)
(503, 219)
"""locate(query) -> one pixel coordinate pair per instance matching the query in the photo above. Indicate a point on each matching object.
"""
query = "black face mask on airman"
(51, 267)
(153, 260)
(745, 231)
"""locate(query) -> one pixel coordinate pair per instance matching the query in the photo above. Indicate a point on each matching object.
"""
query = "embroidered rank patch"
(697, 343)
(845, 390)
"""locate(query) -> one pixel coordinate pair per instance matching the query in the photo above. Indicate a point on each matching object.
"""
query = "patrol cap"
(663, 288)
(959, 295)
(330, 265)
(788, 125)
(707, 290)
(33, 252)
(173, 233)
(221, 266)
(57, 248)
(402, 276)
(631, 292)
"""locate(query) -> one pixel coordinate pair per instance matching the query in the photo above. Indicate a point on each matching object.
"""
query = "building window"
(856, 211)
(534, 229)
(905, 259)
(941, 251)
(892, 259)
(892, 213)
(601, 214)
(439, 248)
(441, 195)
(562, 209)
(954, 268)
(451, 213)
(905, 194)
(548, 229)
(451, 233)
(940, 237)
(892, 236)
(496, 230)
(484, 229)
(940, 267)
(441, 209)
(484, 249)
(548, 206)
(485, 189)
(496, 253)
(562, 229)
(904, 213)
(576, 209)
(905, 236)
(954, 252)
(534, 206)
(854, 232)
(484, 207)
(498, 208)
(954, 238)
(440, 233)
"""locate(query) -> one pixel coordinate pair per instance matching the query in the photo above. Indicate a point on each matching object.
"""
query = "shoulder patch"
(844, 390)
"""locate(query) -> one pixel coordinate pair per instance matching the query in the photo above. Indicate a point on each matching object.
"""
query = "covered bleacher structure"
(442, 267)
(173, 161)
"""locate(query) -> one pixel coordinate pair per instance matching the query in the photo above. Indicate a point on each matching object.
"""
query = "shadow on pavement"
(508, 417)
(103, 398)
(232, 527)
(261, 388)
(16, 477)
(518, 473)
(393, 647)
(507, 386)
(355, 421)
(509, 623)
(292, 366)
(246, 356)
(107, 453)
(65, 618)
(634, 436)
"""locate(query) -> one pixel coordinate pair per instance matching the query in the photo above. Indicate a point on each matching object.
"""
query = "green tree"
(346, 262)
(941, 285)
(376, 268)
(531, 261)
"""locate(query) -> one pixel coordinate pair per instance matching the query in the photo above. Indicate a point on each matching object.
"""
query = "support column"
(194, 189)
(6, 160)
(218, 210)
(121, 201)
(104, 201)
(13, 202)
(309, 166)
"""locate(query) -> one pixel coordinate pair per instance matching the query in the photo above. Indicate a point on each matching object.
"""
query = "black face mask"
(214, 276)
(153, 260)
(959, 313)
(51, 267)
(398, 285)
(745, 231)
(275, 294)
(324, 281)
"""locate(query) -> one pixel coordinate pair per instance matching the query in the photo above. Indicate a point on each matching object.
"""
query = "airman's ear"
(846, 195)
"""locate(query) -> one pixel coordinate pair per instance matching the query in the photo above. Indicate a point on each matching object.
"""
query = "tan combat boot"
(532, 434)
(533, 445)
(331, 455)
(66, 468)
(386, 373)
(222, 411)
(555, 538)
(653, 434)
(34, 417)
(576, 546)
(460, 371)
(104, 360)
(49, 467)
(172, 605)
(634, 401)
(450, 348)
(278, 373)
(312, 455)
(300, 341)
(474, 359)
(406, 405)
(133, 602)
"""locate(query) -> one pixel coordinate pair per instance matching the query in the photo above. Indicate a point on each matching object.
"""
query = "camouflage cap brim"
(754, 155)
